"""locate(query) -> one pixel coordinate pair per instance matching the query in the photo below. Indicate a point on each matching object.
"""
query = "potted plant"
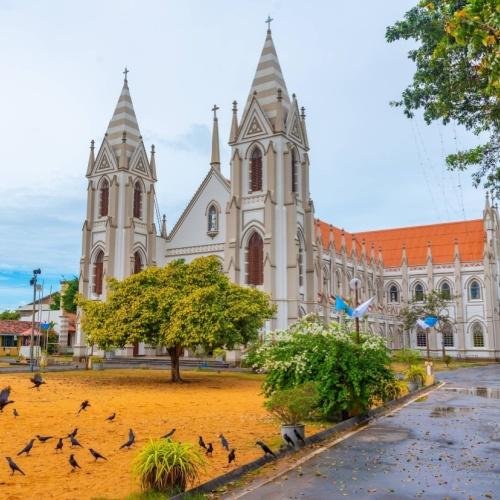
(168, 466)
(415, 377)
(291, 407)
(96, 362)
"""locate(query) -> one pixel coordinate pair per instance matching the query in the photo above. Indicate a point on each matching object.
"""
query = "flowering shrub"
(350, 377)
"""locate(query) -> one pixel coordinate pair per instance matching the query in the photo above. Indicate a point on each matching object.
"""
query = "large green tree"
(69, 298)
(10, 314)
(178, 306)
(457, 76)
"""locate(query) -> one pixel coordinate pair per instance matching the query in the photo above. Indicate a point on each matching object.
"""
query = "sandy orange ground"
(143, 400)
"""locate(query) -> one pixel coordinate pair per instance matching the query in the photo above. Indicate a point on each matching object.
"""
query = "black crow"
(111, 417)
(288, 440)
(202, 443)
(43, 439)
(73, 433)
(131, 440)
(83, 406)
(27, 448)
(73, 463)
(13, 466)
(4, 398)
(223, 442)
(15, 413)
(59, 444)
(96, 454)
(210, 450)
(37, 381)
(74, 442)
(231, 456)
(168, 434)
(299, 437)
(265, 448)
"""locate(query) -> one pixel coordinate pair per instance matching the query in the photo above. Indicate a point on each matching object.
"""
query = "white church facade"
(261, 224)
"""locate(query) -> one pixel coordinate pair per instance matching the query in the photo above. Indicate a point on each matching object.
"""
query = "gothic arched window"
(418, 292)
(393, 293)
(477, 334)
(137, 263)
(98, 272)
(212, 220)
(421, 337)
(255, 260)
(301, 262)
(295, 173)
(447, 333)
(446, 290)
(104, 198)
(474, 290)
(256, 170)
(137, 200)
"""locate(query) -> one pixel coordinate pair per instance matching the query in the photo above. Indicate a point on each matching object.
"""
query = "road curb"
(347, 425)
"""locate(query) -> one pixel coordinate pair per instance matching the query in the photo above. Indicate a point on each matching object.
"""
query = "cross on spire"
(268, 21)
(214, 109)
(125, 72)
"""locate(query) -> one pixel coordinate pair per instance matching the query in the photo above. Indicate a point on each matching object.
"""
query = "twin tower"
(260, 222)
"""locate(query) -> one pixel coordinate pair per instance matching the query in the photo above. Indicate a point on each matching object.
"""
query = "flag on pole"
(362, 309)
(341, 306)
(422, 324)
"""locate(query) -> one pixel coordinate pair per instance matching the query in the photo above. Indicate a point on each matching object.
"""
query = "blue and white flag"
(422, 324)
(341, 306)
(362, 309)
(431, 320)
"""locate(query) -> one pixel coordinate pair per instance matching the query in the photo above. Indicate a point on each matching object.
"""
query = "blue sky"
(370, 166)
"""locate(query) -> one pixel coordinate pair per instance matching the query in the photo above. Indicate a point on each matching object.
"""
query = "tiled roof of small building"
(14, 327)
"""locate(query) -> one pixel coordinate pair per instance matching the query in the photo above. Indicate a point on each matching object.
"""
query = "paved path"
(446, 446)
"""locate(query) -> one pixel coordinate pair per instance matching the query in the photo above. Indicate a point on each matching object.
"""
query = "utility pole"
(354, 283)
(36, 272)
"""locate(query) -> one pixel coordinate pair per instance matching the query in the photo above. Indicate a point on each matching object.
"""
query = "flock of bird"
(38, 381)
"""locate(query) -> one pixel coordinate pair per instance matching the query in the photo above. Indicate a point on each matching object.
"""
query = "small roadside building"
(14, 334)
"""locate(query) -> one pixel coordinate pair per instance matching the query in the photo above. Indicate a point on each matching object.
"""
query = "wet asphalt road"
(444, 447)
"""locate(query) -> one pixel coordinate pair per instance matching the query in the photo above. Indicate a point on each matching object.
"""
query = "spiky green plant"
(168, 466)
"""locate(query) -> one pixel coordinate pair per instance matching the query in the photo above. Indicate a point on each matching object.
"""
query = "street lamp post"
(33, 280)
(355, 283)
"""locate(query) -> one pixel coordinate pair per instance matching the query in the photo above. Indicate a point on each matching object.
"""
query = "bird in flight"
(27, 448)
(96, 455)
(13, 466)
(83, 406)
(231, 456)
(265, 448)
(37, 381)
(4, 398)
(73, 463)
(131, 440)
(168, 434)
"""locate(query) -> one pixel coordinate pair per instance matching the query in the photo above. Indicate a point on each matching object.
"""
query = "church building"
(261, 224)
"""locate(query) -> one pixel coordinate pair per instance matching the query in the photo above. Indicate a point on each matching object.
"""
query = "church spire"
(215, 158)
(124, 120)
(268, 79)
(234, 124)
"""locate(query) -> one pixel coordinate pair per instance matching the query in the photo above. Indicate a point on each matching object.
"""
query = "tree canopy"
(178, 306)
(69, 298)
(457, 75)
(10, 314)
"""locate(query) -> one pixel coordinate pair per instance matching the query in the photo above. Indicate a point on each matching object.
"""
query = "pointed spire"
(429, 252)
(342, 240)
(331, 237)
(279, 122)
(234, 124)
(456, 250)
(267, 80)
(380, 258)
(152, 162)
(363, 248)
(372, 252)
(90, 167)
(124, 120)
(164, 226)
(215, 158)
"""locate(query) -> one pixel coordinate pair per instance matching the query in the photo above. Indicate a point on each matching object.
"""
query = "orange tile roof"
(468, 233)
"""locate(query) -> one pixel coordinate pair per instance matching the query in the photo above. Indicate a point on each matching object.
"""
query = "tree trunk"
(175, 353)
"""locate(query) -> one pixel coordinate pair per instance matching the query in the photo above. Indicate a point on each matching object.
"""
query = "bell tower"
(270, 216)
(118, 235)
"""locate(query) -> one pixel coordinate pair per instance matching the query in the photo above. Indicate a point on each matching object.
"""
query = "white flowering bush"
(350, 377)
